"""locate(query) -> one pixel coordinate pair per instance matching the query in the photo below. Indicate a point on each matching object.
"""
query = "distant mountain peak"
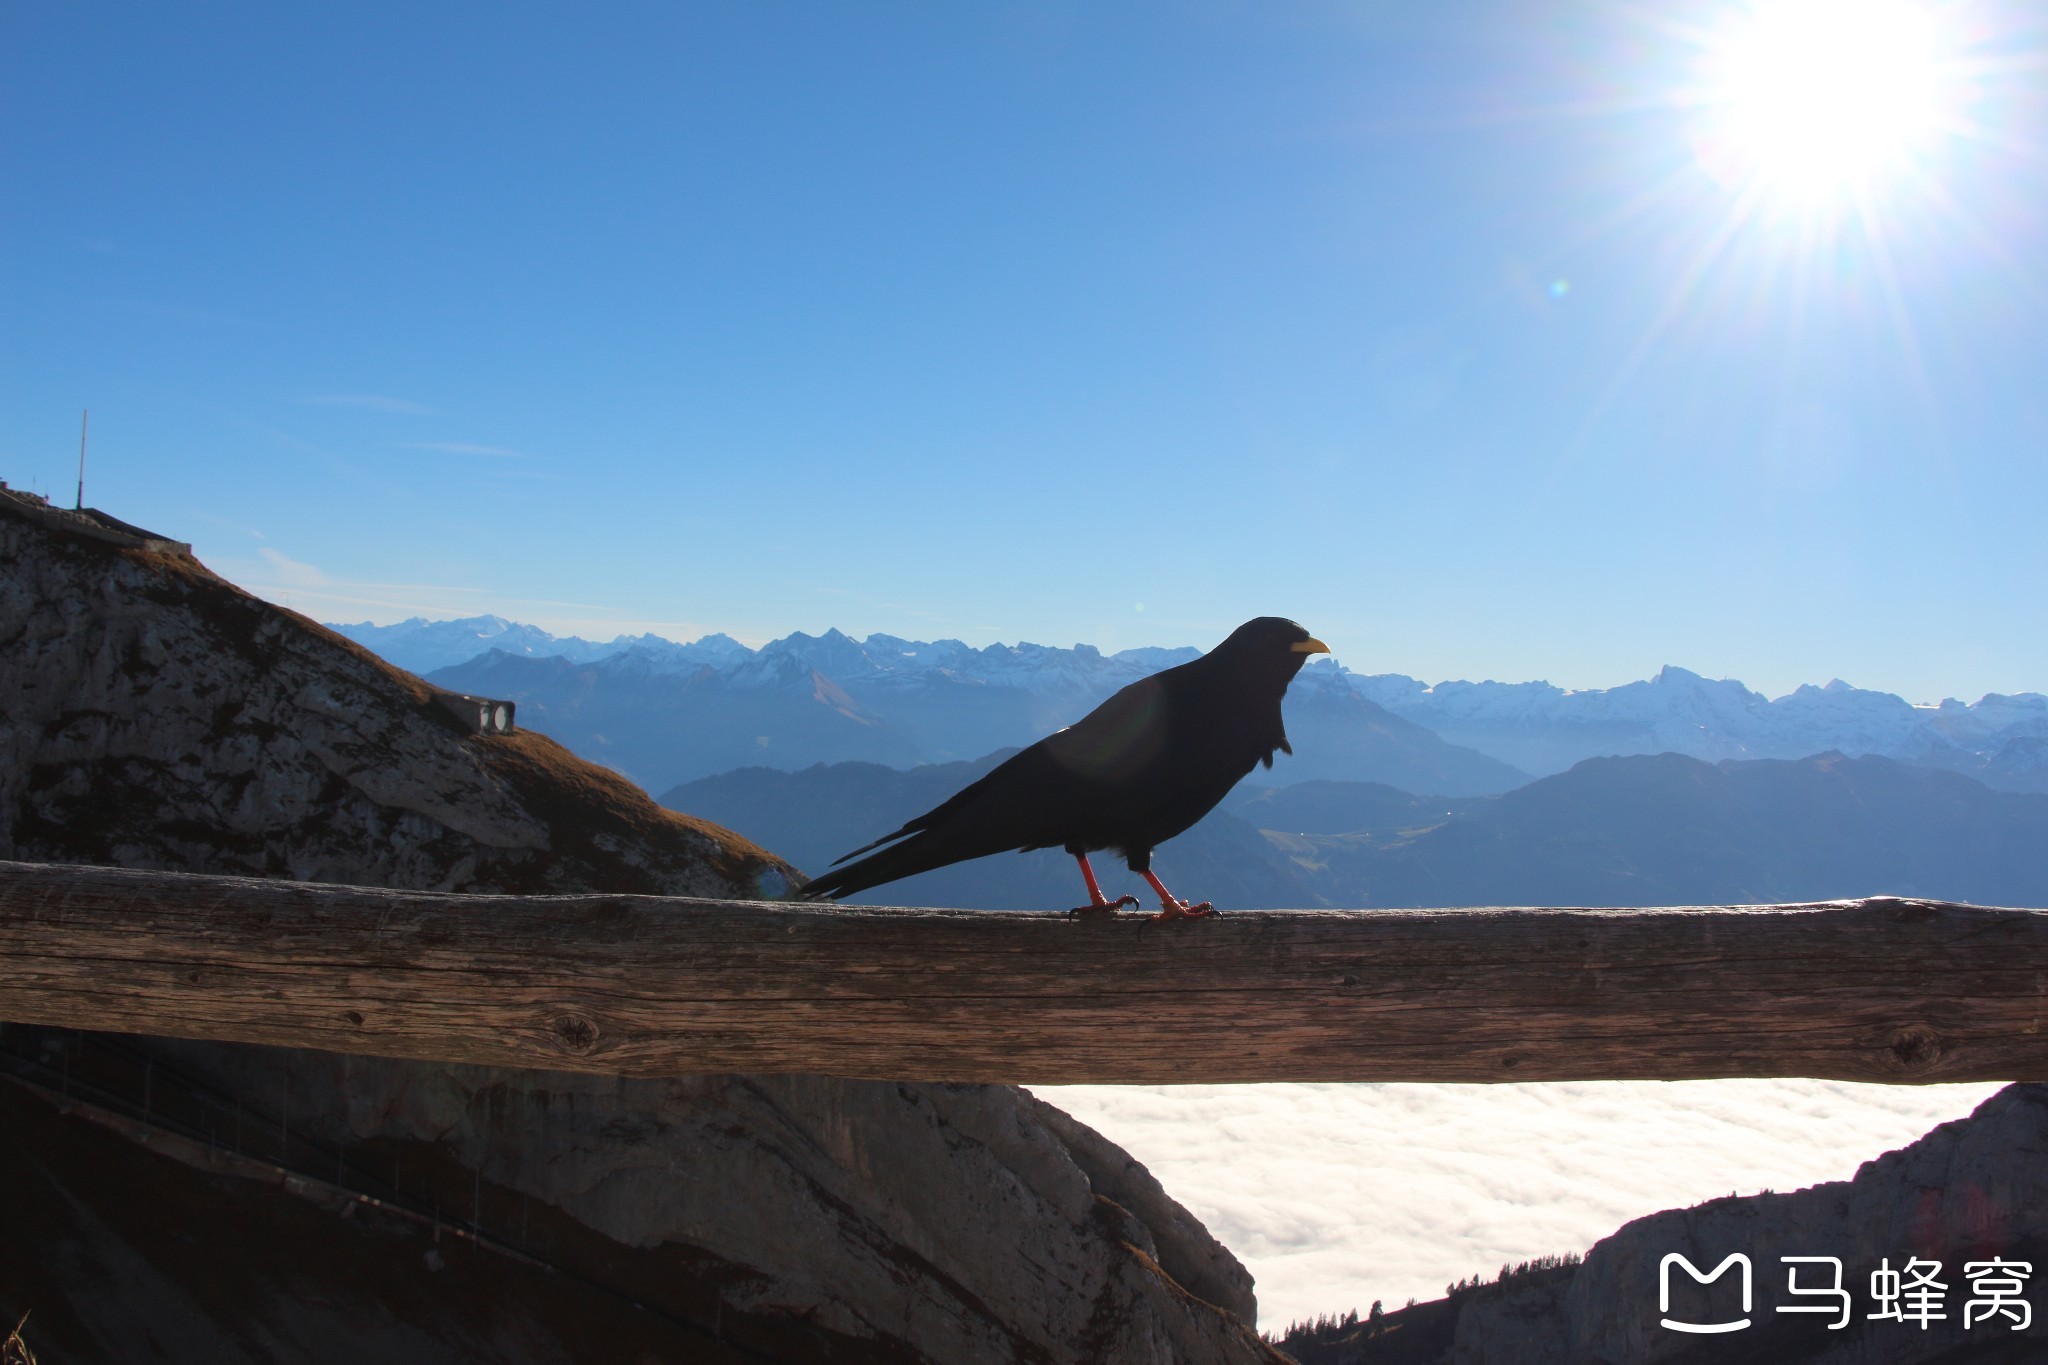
(1533, 726)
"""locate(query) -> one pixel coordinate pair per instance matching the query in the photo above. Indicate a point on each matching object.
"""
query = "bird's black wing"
(1064, 789)
(1000, 811)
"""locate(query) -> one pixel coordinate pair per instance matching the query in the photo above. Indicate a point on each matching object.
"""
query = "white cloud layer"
(1336, 1195)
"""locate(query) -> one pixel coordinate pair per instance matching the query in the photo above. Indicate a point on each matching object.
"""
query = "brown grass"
(15, 1351)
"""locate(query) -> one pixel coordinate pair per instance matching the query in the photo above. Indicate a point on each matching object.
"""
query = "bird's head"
(1269, 646)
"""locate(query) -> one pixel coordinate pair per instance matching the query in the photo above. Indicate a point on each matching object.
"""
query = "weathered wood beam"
(1874, 990)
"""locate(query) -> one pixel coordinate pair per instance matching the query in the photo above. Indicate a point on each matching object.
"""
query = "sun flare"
(1809, 99)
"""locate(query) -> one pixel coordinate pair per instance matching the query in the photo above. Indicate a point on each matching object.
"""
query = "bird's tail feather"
(903, 860)
(876, 844)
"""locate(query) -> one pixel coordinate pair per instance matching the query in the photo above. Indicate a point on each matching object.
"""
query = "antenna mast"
(84, 415)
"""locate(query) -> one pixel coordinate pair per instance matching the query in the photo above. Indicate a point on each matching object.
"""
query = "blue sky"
(1450, 334)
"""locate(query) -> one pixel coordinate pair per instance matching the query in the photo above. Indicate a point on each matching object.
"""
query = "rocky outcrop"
(1971, 1191)
(158, 717)
(940, 1222)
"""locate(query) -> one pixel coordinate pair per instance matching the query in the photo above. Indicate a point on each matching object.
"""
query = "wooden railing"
(1871, 990)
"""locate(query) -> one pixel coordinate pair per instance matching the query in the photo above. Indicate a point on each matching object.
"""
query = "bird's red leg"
(1171, 907)
(1098, 904)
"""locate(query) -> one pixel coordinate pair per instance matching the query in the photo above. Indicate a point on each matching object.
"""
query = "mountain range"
(665, 712)
(2001, 740)
(1660, 829)
(814, 816)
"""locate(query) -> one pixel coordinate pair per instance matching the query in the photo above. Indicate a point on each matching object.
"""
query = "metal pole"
(84, 415)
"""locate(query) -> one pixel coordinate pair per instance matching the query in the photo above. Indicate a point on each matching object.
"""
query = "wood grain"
(1874, 990)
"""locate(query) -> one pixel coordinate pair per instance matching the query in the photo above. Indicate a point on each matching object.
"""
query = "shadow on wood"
(1872, 990)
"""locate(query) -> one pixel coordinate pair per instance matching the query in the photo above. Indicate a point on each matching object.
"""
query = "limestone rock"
(159, 717)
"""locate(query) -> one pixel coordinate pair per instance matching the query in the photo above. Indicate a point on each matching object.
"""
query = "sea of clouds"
(1336, 1195)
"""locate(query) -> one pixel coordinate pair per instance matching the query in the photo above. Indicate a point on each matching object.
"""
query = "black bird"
(1131, 774)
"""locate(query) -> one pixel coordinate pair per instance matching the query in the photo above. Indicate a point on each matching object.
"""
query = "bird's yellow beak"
(1308, 646)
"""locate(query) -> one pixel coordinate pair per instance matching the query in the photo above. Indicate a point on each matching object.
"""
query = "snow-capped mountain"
(1546, 729)
(891, 700)
(422, 646)
(829, 698)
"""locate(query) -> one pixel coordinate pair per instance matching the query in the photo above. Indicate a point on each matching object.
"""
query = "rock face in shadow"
(941, 1222)
(1971, 1191)
(160, 718)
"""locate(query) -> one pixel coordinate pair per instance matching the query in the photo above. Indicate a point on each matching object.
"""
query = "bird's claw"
(1170, 910)
(1101, 907)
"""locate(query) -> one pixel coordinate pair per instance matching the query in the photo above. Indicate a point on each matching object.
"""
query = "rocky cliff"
(1971, 1192)
(180, 1200)
(159, 717)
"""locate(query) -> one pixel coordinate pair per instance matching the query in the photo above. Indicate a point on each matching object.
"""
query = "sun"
(1811, 151)
(1811, 101)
